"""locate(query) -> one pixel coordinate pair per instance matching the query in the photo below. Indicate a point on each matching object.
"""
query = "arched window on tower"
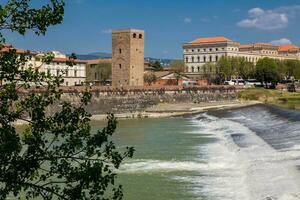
(204, 59)
(140, 36)
(217, 58)
(193, 69)
(198, 58)
(210, 58)
(186, 59)
(192, 59)
(134, 35)
(198, 69)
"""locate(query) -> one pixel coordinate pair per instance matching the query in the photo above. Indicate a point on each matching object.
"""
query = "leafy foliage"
(150, 78)
(266, 71)
(56, 156)
(156, 66)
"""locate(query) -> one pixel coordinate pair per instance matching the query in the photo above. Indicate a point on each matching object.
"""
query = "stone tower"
(128, 57)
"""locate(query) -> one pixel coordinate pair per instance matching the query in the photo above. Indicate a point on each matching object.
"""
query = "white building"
(209, 50)
(73, 75)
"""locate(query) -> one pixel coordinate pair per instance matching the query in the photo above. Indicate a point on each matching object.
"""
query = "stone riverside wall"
(133, 100)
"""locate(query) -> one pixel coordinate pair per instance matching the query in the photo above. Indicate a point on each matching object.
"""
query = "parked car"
(235, 82)
(189, 83)
(253, 82)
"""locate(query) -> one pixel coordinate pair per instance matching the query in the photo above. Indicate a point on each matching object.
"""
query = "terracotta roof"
(260, 44)
(246, 46)
(286, 48)
(67, 59)
(210, 40)
(7, 47)
(96, 61)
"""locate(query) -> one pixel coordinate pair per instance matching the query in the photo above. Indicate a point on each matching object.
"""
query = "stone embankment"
(138, 102)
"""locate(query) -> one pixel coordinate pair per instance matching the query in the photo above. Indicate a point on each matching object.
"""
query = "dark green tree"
(266, 71)
(156, 66)
(56, 156)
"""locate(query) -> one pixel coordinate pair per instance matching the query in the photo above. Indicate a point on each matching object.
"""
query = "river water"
(251, 153)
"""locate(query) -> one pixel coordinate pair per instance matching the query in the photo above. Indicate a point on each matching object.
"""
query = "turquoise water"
(165, 151)
(250, 154)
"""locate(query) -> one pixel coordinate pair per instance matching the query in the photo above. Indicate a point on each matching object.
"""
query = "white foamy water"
(243, 155)
(257, 170)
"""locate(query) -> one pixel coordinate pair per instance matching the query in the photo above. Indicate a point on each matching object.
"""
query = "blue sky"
(168, 24)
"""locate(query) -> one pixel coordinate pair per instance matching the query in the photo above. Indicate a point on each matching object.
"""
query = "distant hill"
(93, 56)
(99, 55)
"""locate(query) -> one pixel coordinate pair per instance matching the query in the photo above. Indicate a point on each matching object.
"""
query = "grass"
(273, 97)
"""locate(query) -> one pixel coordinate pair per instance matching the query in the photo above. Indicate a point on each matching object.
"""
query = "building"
(98, 72)
(72, 75)
(209, 50)
(128, 57)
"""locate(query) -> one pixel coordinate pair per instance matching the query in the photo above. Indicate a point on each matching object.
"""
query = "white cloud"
(107, 31)
(187, 20)
(269, 19)
(281, 41)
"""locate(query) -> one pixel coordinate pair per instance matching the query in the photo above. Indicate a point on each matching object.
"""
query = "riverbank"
(278, 98)
(164, 110)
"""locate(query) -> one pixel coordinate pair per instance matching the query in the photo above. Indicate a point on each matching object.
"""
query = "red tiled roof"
(246, 46)
(68, 59)
(286, 48)
(7, 47)
(210, 40)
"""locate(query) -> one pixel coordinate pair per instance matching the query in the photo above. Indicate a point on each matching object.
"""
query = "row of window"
(212, 49)
(198, 69)
(65, 73)
(135, 36)
(204, 59)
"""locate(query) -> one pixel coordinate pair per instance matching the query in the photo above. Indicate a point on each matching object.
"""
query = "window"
(210, 58)
(186, 59)
(217, 58)
(192, 58)
(120, 51)
(75, 73)
(210, 49)
(204, 59)
(198, 50)
(193, 69)
(192, 50)
(140, 36)
(217, 49)
(57, 72)
(198, 69)
(120, 66)
(96, 76)
(134, 35)
(198, 58)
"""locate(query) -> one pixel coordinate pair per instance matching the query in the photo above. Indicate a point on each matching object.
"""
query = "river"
(250, 153)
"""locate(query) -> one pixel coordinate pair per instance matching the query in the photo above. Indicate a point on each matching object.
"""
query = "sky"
(168, 24)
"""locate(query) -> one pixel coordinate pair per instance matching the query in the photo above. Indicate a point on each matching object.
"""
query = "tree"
(244, 69)
(156, 66)
(209, 69)
(224, 68)
(178, 67)
(56, 156)
(150, 78)
(266, 71)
